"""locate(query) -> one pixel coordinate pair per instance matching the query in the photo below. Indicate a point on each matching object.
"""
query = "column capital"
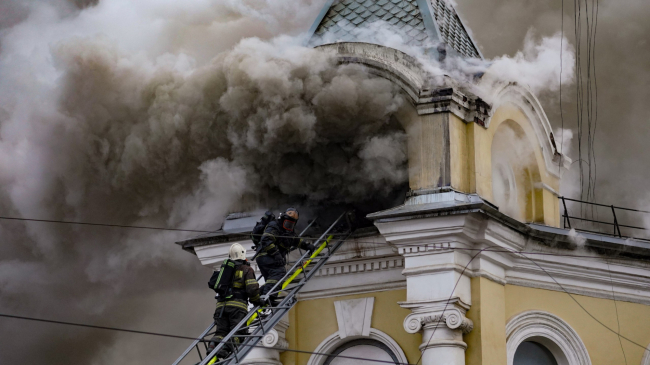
(273, 343)
(431, 314)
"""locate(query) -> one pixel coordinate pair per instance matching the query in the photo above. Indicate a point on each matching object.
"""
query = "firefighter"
(233, 295)
(277, 241)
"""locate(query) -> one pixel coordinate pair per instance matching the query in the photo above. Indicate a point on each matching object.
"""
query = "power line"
(447, 303)
(186, 337)
(552, 278)
(561, 112)
(102, 224)
(307, 237)
(499, 249)
(324, 354)
(618, 323)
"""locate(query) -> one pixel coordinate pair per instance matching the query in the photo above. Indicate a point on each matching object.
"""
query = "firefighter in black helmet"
(277, 241)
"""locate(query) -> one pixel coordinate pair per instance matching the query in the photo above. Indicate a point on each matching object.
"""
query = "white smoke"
(158, 113)
(538, 65)
(577, 238)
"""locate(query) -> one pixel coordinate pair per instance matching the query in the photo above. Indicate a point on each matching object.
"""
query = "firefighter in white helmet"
(235, 285)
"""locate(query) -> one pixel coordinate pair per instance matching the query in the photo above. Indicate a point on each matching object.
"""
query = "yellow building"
(475, 266)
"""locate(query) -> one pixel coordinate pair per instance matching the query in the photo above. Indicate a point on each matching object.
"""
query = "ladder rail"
(194, 343)
(306, 254)
(247, 345)
(278, 311)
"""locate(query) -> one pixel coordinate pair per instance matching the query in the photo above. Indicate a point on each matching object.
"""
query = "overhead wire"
(103, 224)
(618, 322)
(440, 318)
(453, 290)
(356, 240)
(561, 112)
(489, 249)
(158, 334)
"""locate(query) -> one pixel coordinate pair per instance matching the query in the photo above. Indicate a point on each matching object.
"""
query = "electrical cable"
(556, 282)
(501, 249)
(561, 112)
(618, 323)
(585, 309)
(307, 237)
(102, 224)
(447, 303)
(292, 350)
(185, 337)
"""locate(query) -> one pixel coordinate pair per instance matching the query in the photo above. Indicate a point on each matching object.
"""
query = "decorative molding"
(573, 289)
(522, 98)
(334, 340)
(351, 267)
(305, 294)
(453, 318)
(436, 246)
(645, 360)
(273, 339)
(354, 316)
(273, 343)
(429, 313)
(550, 331)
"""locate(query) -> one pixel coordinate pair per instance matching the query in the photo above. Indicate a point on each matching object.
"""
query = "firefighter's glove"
(311, 248)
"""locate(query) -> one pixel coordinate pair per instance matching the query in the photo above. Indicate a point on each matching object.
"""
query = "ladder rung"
(260, 326)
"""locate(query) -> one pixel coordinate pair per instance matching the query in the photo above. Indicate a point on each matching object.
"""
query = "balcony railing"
(604, 219)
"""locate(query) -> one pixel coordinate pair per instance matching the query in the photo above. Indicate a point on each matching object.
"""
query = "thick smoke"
(103, 127)
(156, 113)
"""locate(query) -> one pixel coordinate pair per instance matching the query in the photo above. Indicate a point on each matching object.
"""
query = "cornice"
(360, 265)
(305, 294)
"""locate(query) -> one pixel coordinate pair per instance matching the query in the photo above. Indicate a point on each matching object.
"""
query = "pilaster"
(437, 280)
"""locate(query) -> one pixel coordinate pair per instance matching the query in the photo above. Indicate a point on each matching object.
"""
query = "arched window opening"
(533, 353)
(516, 181)
(362, 348)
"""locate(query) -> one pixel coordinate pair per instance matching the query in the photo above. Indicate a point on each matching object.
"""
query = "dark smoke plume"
(125, 140)
(154, 113)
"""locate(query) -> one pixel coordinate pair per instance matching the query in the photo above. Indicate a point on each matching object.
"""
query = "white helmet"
(237, 252)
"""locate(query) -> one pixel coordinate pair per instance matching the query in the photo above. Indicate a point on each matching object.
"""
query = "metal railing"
(586, 218)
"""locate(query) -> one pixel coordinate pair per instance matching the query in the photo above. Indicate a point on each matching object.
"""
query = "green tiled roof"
(345, 15)
(418, 22)
(452, 30)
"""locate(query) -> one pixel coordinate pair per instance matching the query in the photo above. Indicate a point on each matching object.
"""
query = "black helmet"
(289, 218)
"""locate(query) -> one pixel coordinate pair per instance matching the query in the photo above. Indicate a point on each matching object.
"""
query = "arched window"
(533, 353)
(542, 338)
(516, 181)
(361, 348)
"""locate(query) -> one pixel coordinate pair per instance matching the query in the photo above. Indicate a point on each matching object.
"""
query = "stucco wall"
(482, 153)
(312, 321)
(603, 346)
(486, 344)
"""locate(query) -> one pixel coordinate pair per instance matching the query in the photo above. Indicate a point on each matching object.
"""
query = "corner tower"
(494, 144)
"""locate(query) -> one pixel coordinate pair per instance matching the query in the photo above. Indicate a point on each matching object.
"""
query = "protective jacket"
(244, 287)
(277, 240)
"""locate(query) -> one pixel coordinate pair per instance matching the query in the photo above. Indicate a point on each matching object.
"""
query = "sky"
(108, 113)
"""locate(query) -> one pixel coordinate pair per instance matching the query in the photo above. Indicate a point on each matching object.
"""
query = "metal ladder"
(259, 326)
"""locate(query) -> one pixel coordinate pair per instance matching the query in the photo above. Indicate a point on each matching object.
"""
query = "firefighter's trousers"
(227, 316)
(272, 271)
